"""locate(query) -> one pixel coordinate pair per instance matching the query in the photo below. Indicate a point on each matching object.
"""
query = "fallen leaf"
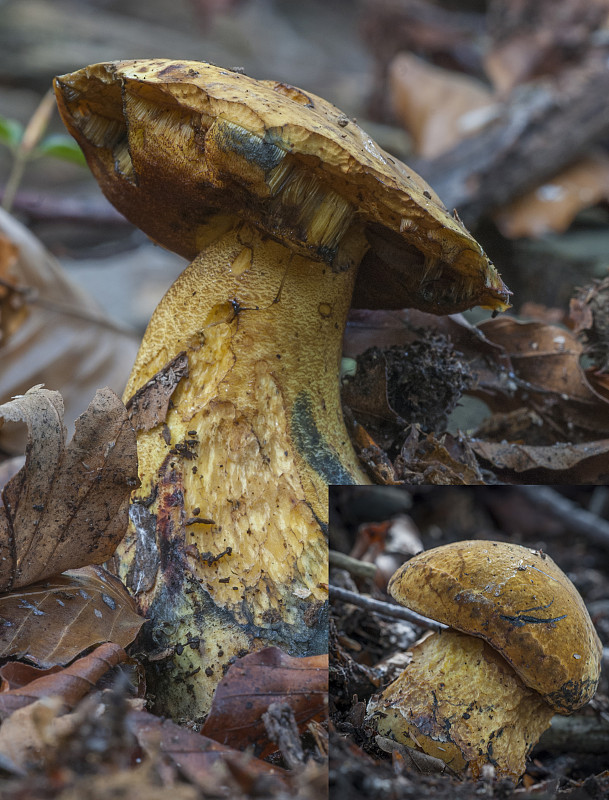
(546, 361)
(66, 342)
(513, 462)
(31, 731)
(15, 674)
(552, 207)
(196, 755)
(438, 107)
(70, 684)
(53, 621)
(427, 765)
(148, 406)
(68, 506)
(254, 682)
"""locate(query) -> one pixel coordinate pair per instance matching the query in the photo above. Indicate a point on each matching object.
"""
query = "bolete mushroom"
(279, 198)
(520, 647)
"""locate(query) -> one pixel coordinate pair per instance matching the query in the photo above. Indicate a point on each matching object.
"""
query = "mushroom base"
(458, 700)
(226, 551)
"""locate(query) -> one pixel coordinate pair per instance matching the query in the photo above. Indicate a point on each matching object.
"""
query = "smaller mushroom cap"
(517, 600)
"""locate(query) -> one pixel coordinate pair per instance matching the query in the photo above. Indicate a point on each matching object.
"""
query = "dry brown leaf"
(553, 206)
(254, 682)
(196, 755)
(546, 361)
(560, 463)
(70, 684)
(15, 674)
(66, 342)
(68, 506)
(438, 107)
(53, 621)
(148, 406)
(31, 731)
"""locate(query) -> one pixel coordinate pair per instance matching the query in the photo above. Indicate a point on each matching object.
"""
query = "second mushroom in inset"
(520, 648)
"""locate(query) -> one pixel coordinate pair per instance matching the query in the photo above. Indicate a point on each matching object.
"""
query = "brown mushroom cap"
(174, 144)
(517, 600)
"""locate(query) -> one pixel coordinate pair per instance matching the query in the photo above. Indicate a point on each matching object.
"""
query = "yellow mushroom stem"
(460, 701)
(226, 551)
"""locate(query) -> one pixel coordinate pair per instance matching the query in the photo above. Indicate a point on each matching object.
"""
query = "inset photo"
(468, 642)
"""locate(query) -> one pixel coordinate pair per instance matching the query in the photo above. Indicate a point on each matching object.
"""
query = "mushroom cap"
(177, 144)
(518, 601)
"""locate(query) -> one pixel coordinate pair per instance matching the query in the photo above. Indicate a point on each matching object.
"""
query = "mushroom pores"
(520, 647)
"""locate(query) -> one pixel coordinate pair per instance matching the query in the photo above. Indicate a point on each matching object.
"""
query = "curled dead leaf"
(148, 406)
(70, 684)
(546, 361)
(68, 506)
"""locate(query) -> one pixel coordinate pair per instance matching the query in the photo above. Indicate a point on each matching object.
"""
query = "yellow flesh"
(459, 701)
(262, 331)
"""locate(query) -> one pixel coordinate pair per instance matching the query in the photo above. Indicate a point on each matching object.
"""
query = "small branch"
(385, 609)
(540, 129)
(86, 210)
(362, 569)
(580, 520)
(31, 136)
(281, 729)
(576, 735)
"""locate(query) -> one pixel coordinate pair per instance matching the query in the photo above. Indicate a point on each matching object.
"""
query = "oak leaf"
(53, 621)
(68, 506)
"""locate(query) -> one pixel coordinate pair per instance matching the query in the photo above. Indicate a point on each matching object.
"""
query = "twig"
(363, 569)
(87, 210)
(385, 609)
(580, 520)
(31, 136)
(576, 735)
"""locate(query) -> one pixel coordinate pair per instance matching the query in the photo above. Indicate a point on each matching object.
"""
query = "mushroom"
(277, 198)
(520, 647)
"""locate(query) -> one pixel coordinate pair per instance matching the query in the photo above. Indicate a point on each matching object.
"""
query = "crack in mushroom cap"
(520, 602)
(175, 144)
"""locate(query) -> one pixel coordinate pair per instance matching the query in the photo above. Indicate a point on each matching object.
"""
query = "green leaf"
(58, 145)
(11, 132)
